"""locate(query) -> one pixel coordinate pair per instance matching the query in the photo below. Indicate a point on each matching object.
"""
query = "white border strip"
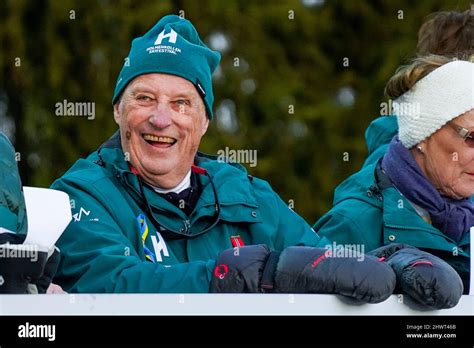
(213, 304)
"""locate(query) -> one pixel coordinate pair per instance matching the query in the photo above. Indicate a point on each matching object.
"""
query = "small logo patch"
(237, 241)
(221, 271)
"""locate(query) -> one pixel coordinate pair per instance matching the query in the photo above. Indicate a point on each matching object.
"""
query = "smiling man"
(152, 214)
(164, 118)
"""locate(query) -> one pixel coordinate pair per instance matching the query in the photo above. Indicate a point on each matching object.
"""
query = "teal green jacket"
(360, 216)
(12, 203)
(102, 249)
(378, 136)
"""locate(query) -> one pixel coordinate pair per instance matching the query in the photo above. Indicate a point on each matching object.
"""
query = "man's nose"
(161, 116)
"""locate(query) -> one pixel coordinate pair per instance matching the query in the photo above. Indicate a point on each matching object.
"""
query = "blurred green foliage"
(282, 76)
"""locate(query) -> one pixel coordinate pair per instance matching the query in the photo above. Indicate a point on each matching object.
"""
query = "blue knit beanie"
(173, 47)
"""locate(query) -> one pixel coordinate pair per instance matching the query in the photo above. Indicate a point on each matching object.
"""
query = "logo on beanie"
(159, 48)
(171, 36)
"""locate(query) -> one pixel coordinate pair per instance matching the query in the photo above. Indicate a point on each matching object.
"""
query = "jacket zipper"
(375, 191)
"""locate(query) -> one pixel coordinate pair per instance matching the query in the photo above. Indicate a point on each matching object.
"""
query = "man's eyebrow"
(139, 87)
(188, 94)
(185, 94)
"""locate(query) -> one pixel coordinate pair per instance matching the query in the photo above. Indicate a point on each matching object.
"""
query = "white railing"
(212, 304)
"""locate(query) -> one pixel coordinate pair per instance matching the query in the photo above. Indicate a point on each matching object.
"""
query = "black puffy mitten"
(302, 270)
(426, 278)
(44, 281)
(20, 264)
(240, 270)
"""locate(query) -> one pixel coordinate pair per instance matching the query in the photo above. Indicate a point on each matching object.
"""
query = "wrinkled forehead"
(466, 120)
(164, 84)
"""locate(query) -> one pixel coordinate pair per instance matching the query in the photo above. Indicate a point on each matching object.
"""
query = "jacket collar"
(397, 213)
(231, 182)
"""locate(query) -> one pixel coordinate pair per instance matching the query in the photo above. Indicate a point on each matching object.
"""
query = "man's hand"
(316, 270)
(239, 270)
(302, 270)
(55, 289)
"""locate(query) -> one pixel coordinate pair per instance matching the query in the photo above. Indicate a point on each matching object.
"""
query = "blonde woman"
(418, 193)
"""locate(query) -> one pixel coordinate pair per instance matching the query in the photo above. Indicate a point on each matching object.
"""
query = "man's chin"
(153, 170)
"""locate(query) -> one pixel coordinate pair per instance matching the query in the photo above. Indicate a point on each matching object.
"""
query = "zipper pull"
(374, 191)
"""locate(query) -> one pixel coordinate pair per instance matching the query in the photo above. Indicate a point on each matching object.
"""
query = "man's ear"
(117, 112)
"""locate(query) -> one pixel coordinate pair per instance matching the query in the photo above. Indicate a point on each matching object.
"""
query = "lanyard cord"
(217, 212)
(149, 213)
(143, 227)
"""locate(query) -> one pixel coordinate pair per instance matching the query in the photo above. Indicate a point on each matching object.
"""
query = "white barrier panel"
(212, 304)
(49, 213)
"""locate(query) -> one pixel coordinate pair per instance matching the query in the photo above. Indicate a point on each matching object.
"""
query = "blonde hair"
(406, 76)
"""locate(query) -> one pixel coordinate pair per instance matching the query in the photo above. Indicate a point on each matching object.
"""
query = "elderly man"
(152, 214)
